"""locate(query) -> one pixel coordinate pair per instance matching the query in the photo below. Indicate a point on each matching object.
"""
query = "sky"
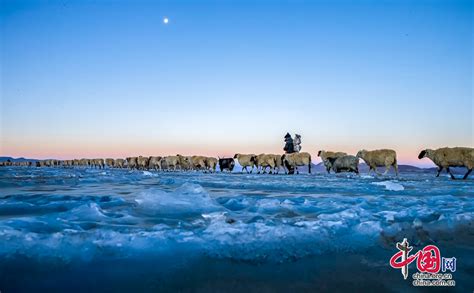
(111, 79)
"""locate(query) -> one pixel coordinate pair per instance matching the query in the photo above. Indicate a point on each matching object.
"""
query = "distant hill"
(4, 159)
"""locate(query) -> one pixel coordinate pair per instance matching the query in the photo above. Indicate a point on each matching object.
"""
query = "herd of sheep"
(444, 158)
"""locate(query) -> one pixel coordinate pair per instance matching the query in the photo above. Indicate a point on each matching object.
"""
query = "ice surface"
(83, 214)
(390, 185)
(235, 211)
(188, 198)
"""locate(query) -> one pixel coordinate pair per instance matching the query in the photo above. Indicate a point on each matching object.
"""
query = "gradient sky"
(110, 79)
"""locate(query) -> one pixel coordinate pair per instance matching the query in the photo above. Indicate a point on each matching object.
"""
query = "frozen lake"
(78, 229)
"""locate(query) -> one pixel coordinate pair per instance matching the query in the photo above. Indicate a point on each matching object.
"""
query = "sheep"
(164, 164)
(184, 162)
(278, 163)
(246, 161)
(100, 163)
(173, 162)
(327, 155)
(154, 163)
(97, 163)
(142, 163)
(345, 163)
(23, 164)
(264, 161)
(84, 162)
(293, 160)
(132, 162)
(198, 162)
(379, 158)
(110, 162)
(119, 163)
(211, 164)
(450, 157)
(226, 164)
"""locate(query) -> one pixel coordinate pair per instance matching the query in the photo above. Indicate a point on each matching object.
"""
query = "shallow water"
(81, 229)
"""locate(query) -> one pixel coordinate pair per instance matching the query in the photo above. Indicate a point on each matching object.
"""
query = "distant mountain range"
(4, 159)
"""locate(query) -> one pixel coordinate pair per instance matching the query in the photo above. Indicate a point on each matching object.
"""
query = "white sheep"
(170, 163)
(97, 163)
(246, 160)
(327, 155)
(450, 157)
(263, 161)
(142, 163)
(184, 162)
(173, 162)
(110, 162)
(211, 164)
(132, 162)
(379, 158)
(198, 162)
(278, 163)
(119, 163)
(154, 162)
(293, 160)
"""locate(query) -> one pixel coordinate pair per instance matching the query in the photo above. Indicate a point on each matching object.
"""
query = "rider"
(297, 143)
(289, 147)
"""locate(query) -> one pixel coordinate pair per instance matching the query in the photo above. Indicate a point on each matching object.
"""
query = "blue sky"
(109, 78)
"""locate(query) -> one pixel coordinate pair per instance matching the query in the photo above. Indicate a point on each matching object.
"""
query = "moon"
(165, 20)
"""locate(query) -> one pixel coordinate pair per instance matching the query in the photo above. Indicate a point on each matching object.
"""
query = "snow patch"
(390, 185)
